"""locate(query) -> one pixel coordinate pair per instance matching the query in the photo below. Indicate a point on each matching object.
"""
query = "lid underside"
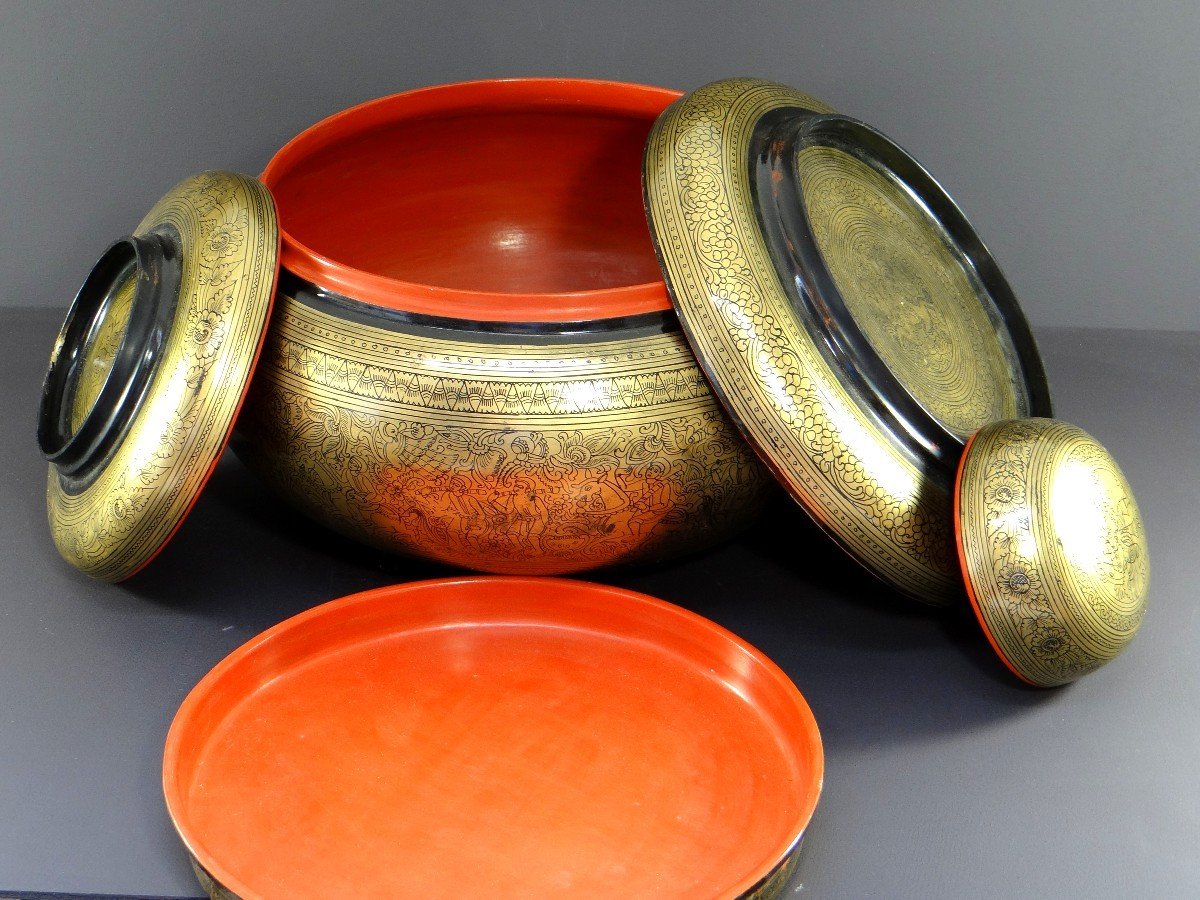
(904, 285)
(150, 369)
(846, 314)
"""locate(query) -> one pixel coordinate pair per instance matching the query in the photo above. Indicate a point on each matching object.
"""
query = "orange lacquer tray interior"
(493, 737)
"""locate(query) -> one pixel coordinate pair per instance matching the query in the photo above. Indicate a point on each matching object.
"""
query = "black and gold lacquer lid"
(847, 315)
(149, 370)
(1052, 548)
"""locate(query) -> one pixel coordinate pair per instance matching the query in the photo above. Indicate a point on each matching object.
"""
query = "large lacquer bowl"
(472, 356)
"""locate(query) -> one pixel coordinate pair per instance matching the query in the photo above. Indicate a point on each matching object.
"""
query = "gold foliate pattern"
(823, 446)
(435, 390)
(1053, 547)
(229, 243)
(906, 290)
(502, 457)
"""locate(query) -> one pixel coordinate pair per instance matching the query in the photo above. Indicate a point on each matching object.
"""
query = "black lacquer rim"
(154, 261)
(809, 284)
(448, 327)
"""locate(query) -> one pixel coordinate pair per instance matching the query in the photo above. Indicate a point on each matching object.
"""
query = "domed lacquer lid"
(150, 367)
(1052, 548)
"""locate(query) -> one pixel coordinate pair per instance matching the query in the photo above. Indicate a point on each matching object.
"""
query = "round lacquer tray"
(494, 737)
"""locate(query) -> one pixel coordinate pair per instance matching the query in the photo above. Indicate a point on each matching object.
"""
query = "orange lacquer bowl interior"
(508, 200)
(493, 737)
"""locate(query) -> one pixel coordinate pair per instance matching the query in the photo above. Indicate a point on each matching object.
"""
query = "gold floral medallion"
(905, 289)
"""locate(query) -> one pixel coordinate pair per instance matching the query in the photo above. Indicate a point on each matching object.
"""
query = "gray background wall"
(1066, 130)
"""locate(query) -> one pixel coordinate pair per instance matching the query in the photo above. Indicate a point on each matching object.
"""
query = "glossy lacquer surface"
(493, 737)
(495, 200)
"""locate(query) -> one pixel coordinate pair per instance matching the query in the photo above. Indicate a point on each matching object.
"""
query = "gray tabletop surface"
(945, 776)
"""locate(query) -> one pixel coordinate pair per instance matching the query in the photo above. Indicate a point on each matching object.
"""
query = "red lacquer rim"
(407, 296)
(806, 742)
